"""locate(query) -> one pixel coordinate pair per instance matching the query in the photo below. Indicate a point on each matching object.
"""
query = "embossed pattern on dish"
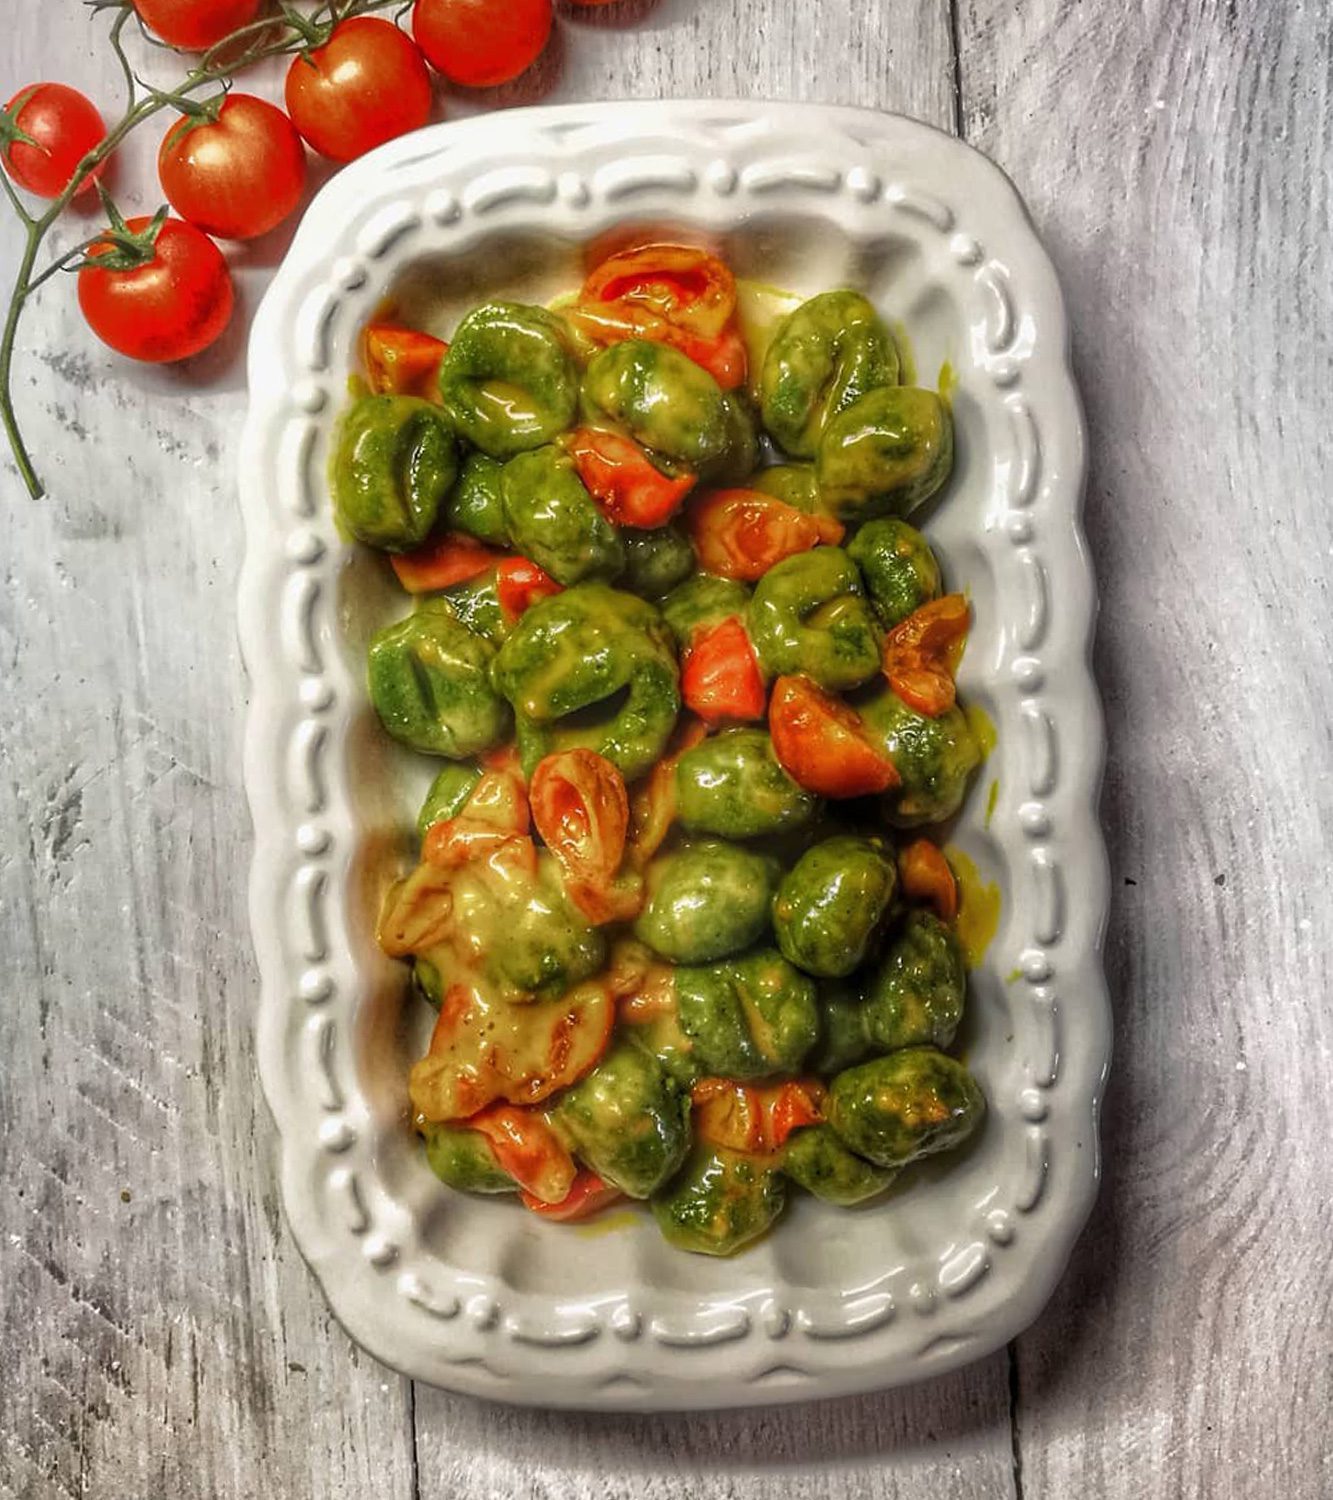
(463, 1293)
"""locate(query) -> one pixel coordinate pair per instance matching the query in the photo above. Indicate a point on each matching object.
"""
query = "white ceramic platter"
(476, 1294)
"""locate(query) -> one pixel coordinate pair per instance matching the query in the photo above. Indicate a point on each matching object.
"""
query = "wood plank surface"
(161, 1335)
(1178, 158)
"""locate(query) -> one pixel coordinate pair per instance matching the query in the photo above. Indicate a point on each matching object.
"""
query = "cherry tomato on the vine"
(196, 25)
(480, 43)
(236, 176)
(174, 304)
(364, 86)
(63, 127)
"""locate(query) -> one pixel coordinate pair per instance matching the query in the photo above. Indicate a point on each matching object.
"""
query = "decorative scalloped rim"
(455, 1328)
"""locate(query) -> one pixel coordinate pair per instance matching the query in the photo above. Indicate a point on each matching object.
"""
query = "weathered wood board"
(161, 1335)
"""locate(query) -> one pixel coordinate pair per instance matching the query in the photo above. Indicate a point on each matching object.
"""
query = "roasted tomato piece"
(628, 487)
(743, 533)
(587, 1196)
(921, 654)
(822, 743)
(720, 676)
(581, 809)
(401, 361)
(754, 1117)
(927, 878)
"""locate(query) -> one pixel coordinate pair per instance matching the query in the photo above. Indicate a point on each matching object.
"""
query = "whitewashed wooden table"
(161, 1336)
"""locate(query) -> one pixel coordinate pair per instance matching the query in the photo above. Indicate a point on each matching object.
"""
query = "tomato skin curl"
(741, 533)
(529, 1150)
(666, 294)
(452, 558)
(921, 654)
(581, 810)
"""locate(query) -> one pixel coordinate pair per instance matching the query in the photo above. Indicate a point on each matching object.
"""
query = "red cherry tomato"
(479, 43)
(364, 86)
(235, 177)
(196, 25)
(587, 1196)
(450, 559)
(654, 807)
(756, 1118)
(401, 361)
(927, 878)
(581, 809)
(495, 817)
(720, 677)
(172, 306)
(743, 533)
(921, 654)
(64, 127)
(668, 294)
(520, 583)
(529, 1150)
(680, 283)
(823, 744)
(626, 484)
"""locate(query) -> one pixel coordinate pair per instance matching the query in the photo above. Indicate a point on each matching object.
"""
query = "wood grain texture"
(1179, 161)
(1178, 158)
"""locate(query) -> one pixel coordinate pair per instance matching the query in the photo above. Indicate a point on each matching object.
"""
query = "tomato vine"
(285, 33)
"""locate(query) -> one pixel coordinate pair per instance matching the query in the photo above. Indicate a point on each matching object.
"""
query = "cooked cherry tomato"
(587, 1196)
(630, 489)
(686, 286)
(494, 819)
(822, 744)
(720, 677)
(927, 878)
(581, 809)
(174, 303)
(483, 1051)
(196, 25)
(654, 808)
(479, 43)
(63, 127)
(364, 86)
(742, 533)
(452, 558)
(529, 1150)
(668, 294)
(520, 583)
(756, 1118)
(236, 176)
(401, 361)
(921, 654)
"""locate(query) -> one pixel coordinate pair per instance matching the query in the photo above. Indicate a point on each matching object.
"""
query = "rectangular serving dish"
(473, 1294)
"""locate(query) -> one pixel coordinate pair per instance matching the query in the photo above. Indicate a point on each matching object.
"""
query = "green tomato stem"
(271, 36)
